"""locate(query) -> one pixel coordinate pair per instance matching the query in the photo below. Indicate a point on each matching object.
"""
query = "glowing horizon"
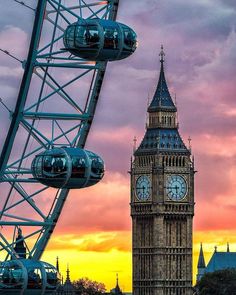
(93, 234)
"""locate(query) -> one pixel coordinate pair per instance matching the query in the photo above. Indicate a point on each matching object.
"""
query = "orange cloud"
(94, 242)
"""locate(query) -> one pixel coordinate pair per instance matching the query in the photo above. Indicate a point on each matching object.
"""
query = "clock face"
(176, 187)
(143, 188)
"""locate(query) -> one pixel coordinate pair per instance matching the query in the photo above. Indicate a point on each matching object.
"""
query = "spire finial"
(68, 272)
(117, 279)
(228, 250)
(134, 144)
(189, 143)
(57, 265)
(201, 260)
(162, 55)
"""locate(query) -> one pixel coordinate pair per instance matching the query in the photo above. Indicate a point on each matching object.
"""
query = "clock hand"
(176, 189)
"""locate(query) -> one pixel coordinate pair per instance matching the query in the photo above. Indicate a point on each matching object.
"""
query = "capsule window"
(11, 275)
(111, 38)
(38, 166)
(52, 276)
(97, 168)
(70, 37)
(34, 278)
(87, 36)
(78, 167)
(129, 39)
(54, 166)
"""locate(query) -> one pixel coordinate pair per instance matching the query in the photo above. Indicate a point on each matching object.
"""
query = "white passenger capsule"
(100, 40)
(68, 168)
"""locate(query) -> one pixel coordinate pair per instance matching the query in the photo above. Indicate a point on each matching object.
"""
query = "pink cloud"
(100, 208)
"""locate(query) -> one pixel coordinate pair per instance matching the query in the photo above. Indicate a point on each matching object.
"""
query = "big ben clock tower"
(162, 202)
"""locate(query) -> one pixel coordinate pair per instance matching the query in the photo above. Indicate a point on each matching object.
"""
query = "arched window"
(166, 161)
(180, 161)
(176, 161)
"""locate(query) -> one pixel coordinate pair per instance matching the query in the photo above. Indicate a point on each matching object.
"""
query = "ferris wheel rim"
(16, 115)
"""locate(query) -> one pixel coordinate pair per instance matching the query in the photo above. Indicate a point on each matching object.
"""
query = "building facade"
(162, 202)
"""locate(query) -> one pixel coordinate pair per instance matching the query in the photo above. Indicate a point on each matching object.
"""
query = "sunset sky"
(93, 234)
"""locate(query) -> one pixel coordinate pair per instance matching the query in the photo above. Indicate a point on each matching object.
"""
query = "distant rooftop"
(221, 260)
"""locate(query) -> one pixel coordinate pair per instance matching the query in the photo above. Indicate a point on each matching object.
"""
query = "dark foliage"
(85, 286)
(221, 282)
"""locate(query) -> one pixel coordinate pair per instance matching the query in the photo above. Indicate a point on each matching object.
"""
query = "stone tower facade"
(162, 202)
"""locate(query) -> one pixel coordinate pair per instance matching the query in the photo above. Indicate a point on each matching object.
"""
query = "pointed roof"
(68, 285)
(117, 283)
(165, 140)
(162, 139)
(221, 260)
(68, 273)
(162, 99)
(117, 289)
(201, 260)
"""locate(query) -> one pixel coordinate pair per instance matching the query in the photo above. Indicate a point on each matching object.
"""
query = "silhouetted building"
(117, 289)
(218, 261)
(66, 288)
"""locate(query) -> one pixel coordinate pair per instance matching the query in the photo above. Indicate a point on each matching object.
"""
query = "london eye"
(43, 155)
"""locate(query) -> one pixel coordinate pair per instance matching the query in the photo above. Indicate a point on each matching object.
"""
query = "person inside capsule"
(52, 166)
(78, 167)
(86, 36)
(34, 279)
(52, 278)
(91, 37)
(109, 38)
(58, 164)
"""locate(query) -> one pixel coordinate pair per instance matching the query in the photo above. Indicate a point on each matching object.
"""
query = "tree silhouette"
(85, 286)
(222, 282)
